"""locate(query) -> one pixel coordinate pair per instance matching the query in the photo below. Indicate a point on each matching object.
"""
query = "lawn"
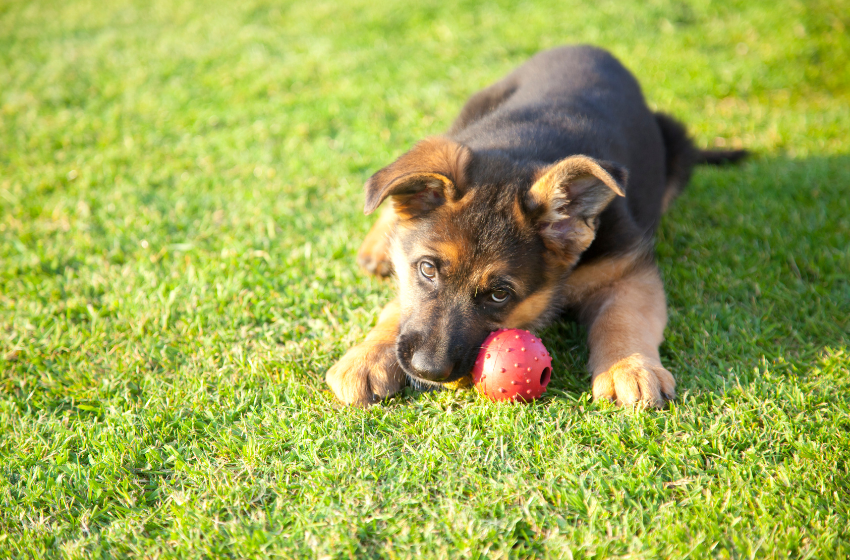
(180, 206)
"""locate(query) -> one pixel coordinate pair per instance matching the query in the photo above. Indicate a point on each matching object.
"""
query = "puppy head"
(482, 243)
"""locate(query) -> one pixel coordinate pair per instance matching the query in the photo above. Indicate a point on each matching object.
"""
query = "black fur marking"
(721, 157)
(681, 155)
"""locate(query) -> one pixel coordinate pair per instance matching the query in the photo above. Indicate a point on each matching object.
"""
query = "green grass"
(180, 204)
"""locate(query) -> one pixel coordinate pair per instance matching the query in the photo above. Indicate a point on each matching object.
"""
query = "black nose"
(427, 367)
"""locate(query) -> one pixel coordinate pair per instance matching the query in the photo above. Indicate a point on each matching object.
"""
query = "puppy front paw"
(366, 374)
(635, 380)
(374, 253)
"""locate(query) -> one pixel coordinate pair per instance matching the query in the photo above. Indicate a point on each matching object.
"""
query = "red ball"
(513, 365)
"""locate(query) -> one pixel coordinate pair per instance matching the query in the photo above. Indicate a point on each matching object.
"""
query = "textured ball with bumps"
(513, 365)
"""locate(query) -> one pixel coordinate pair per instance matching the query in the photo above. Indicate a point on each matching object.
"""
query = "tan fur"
(529, 309)
(519, 213)
(484, 277)
(449, 251)
(404, 278)
(369, 371)
(589, 279)
(373, 255)
(626, 324)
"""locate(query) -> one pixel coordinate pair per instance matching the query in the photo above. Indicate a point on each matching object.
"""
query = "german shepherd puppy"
(542, 198)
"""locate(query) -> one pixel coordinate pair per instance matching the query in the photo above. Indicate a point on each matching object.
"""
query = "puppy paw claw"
(635, 380)
(366, 374)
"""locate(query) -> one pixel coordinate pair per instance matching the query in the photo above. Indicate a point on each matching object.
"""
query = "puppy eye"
(428, 270)
(499, 296)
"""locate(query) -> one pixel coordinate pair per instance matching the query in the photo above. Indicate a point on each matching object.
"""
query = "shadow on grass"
(756, 261)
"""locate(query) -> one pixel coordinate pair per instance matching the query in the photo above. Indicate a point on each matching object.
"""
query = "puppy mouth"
(423, 385)
(418, 381)
(459, 370)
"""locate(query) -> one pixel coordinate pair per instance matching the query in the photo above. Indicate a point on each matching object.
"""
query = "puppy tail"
(682, 156)
(720, 157)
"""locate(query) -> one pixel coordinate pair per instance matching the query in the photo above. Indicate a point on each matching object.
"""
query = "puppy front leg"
(374, 253)
(626, 324)
(370, 371)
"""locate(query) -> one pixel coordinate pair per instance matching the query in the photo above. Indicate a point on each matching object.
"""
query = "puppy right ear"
(424, 178)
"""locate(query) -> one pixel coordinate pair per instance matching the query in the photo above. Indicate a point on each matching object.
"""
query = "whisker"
(424, 385)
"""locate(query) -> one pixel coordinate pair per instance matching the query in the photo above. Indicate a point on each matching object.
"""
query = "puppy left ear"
(568, 197)
(427, 176)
